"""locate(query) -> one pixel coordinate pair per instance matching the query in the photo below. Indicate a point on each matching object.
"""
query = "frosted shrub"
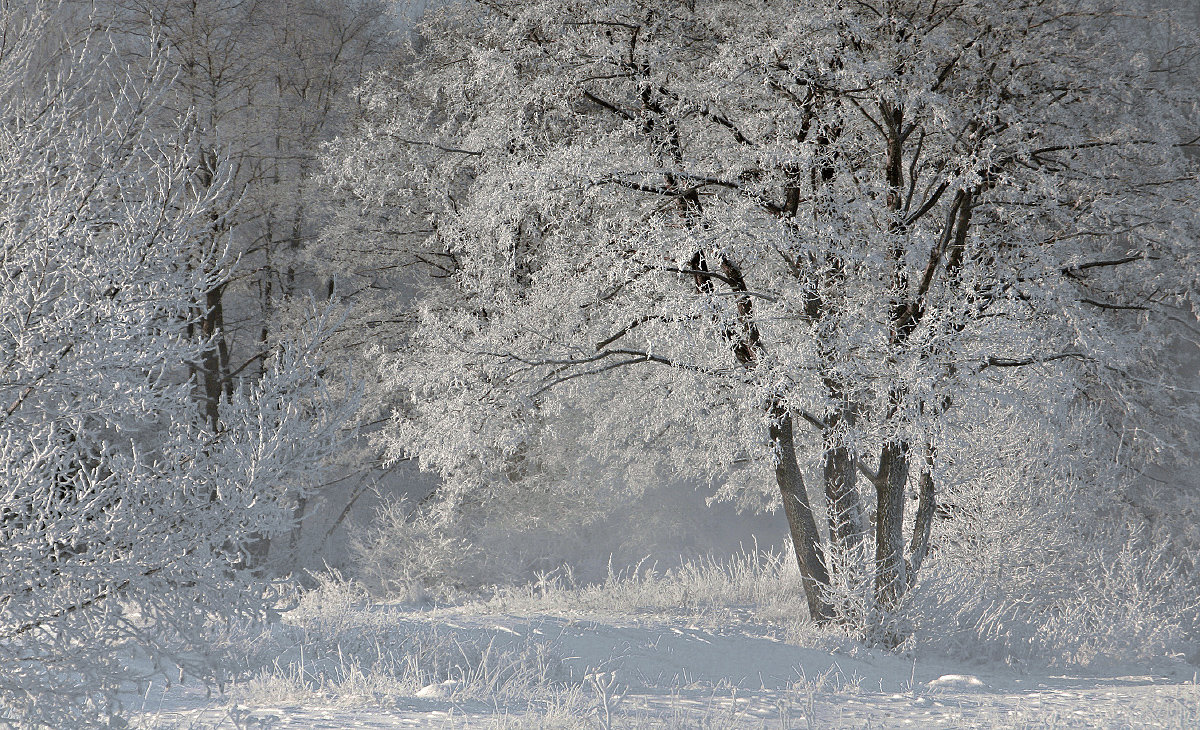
(407, 553)
(1021, 573)
(1122, 611)
(1129, 606)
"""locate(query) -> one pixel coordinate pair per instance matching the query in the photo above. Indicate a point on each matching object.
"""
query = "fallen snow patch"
(957, 682)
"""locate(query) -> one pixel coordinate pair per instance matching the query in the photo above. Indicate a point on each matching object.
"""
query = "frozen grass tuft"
(766, 582)
(336, 647)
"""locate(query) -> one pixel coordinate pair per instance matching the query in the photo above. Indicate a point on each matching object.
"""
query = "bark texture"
(890, 570)
(806, 539)
(927, 504)
(847, 525)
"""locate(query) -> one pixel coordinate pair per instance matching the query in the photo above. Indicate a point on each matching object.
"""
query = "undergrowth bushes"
(1097, 608)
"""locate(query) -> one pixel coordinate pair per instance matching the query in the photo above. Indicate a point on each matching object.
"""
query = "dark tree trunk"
(215, 360)
(848, 566)
(890, 568)
(847, 525)
(803, 527)
(745, 341)
(214, 356)
(297, 532)
(927, 504)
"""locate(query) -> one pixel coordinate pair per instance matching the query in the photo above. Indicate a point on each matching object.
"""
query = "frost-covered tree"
(123, 511)
(263, 84)
(760, 238)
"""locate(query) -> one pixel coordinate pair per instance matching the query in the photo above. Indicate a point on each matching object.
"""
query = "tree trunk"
(919, 547)
(803, 527)
(213, 374)
(890, 569)
(846, 524)
(215, 360)
(747, 346)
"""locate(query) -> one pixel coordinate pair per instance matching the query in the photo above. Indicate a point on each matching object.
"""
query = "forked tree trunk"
(803, 527)
(746, 344)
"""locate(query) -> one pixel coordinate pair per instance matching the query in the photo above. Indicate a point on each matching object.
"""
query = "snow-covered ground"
(635, 654)
(675, 674)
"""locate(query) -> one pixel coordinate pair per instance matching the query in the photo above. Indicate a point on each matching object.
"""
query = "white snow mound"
(440, 691)
(956, 681)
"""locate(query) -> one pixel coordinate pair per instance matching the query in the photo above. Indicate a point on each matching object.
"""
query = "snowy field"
(673, 652)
